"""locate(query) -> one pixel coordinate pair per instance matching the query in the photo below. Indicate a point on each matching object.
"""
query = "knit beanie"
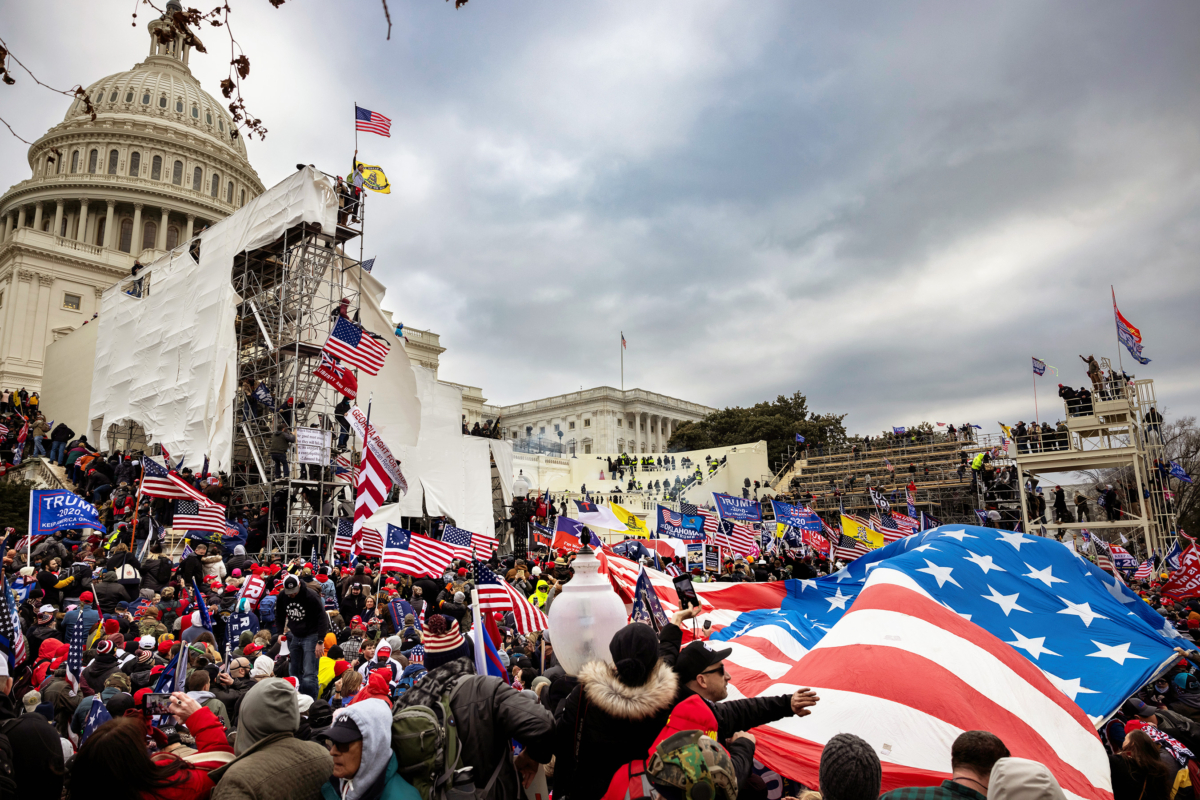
(634, 651)
(850, 769)
(443, 641)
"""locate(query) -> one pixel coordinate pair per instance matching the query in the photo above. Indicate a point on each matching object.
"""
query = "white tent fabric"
(502, 454)
(395, 410)
(166, 360)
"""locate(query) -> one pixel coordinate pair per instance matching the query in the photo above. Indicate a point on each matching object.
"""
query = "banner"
(632, 521)
(730, 507)
(695, 555)
(1122, 559)
(253, 589)
(339, 377)
(680, 526)
(1185, 582)
(313, 445)
(928, 522)
(860, 530)
(712, 558)
(813, 538)
(53, 510)
(795, 516)
(358, 421)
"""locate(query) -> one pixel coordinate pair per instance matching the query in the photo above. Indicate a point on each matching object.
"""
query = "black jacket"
(36, 753)
(156, 572)
(108, 594)
(97, 672)
(304, 613)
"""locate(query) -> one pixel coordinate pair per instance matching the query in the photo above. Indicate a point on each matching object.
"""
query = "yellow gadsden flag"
(853, 526)
(373, 178)
(632, 521)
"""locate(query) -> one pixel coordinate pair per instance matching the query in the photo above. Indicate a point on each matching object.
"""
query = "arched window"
(129, 96)
(178, 105)
(177, 174)
(75, 161)
(216, 185)
(100, 230)
(242, 202)
(149, 235)
(162, 102)
(208, 117)
(172, 237)
(195, 112)
(229, 193)
(221, 125)
(146, 99)
(63, 228)
(198, 179)
(156, 168)
(113, 157)
(126, 241)
(93, 160)
(135, 164)
(58, 164)
(112, 98)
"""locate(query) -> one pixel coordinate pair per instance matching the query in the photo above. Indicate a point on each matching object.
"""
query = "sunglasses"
(719, 669)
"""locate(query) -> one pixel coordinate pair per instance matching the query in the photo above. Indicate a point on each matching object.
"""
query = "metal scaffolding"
(290, 291)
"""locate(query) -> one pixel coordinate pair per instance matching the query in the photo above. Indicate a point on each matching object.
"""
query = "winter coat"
(214, 566)
(108, 594)
(488, 713)
(37, 752)
(129, 572)
(618, 725)
(156, 572)
(62, 433)
(97, 672)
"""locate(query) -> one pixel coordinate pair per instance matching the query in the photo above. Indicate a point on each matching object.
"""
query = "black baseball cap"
(698, 657)
(343, 731)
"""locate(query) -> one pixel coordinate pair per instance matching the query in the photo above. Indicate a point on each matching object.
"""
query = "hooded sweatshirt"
(374, 718)
(1022, 779)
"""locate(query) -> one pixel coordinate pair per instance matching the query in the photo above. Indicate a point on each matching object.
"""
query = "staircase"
(41, 473)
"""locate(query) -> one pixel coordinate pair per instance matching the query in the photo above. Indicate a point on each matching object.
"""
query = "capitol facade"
(157, 165)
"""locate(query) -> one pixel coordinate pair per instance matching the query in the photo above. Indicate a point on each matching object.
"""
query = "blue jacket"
(90, 617)
(394, 786)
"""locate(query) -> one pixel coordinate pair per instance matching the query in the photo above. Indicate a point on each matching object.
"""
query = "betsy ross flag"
(193, 516)
(157, 481)
(371, 122)
(419, 556)
(355, 346)
(741, 539)
(495, 594)
(1128, 335)
(477, 545)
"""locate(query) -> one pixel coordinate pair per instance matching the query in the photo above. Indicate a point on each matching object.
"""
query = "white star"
(806, 583)
(959, 535)
(872, 566)
(1070, 688)
(1014, 538)
(1118, 653)
(1081, 610)
(1044, 575)
(941, 573)
(985, 563)
(1035, 647)
(843, 574)
(925, 547)
(1008, 603)
(838, 600)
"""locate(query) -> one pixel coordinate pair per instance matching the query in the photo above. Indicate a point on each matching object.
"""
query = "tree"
(14, 505)
(777, 423)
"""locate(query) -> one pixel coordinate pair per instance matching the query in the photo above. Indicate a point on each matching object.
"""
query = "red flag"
(1185, 581)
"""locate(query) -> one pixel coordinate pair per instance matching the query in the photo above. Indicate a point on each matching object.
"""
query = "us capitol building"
(159, 164)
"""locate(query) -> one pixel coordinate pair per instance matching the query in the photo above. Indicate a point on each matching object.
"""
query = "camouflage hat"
(691, 765)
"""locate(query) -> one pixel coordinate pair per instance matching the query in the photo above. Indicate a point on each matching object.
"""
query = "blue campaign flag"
(631, 548)
(898, 430)
(53, 510)
(796, 516)
(730, 507)
(1039, 367)
(1173, 556)
(205, 619)
(681, 526)
(646, 606)
(263, 395)
(97, 715)
(1180, 473)
(799, 438)
(1092, 636)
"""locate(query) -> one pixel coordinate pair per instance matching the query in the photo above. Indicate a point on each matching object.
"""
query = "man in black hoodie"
(304, 615)
(37, 755)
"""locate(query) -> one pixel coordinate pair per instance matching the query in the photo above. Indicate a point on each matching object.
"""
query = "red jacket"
(195, 783)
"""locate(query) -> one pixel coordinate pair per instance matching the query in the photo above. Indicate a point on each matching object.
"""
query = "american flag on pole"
(158, 481)
(371, 122)
(847, 548)
(369, 264)
(477, 545)
(415, 555)
(1144, 571)
(495, 594)
(10, 630)
(76, 643)
(741, 539)
(343, 540)
(370, 544)
(371, 490)
(355, 346)
(887, 527)
(193, 516)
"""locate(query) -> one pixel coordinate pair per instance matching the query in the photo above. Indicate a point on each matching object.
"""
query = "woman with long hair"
(1137, 771)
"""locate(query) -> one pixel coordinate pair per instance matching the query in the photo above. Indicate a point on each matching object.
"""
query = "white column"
(135, 244)
(37, 332)
(21, 216)
(161, 244)
(8, 227)
(81, 234)
(108, 224)
(191, 221)
(37, 216)
(58, 218)
(17, 336)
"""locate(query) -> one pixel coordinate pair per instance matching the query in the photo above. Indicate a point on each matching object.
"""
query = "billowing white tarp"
(395, 409)
(502, 453)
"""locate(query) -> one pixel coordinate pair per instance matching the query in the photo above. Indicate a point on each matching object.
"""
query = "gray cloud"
(888, 207)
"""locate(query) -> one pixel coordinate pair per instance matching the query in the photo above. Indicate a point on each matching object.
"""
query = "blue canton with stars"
(1093, 637)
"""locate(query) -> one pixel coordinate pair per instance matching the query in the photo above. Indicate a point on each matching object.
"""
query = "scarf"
(1180, 753)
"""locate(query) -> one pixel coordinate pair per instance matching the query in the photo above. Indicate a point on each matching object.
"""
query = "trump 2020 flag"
(54, 510)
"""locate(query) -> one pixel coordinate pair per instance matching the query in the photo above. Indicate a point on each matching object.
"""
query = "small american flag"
(476, 545)
(343, 540)
(711, 520)
(369, 121)
(193, 516)
(370, 543)
(415, 555)
(75, 646)
(10, 629)
(97, 715)
(368, 264)
(1143, 571)
(353, 345)
(157, 481)
(848, 548)
(497, 595)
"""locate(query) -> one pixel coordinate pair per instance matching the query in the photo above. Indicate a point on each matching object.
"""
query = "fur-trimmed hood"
(605, 690)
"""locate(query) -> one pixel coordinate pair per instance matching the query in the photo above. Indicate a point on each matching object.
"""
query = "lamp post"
(585, 616)
(560, 450)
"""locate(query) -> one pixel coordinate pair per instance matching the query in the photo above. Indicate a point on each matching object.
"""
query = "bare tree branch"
(388, 14)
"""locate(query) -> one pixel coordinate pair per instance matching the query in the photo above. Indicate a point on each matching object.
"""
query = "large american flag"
(495, 594)
(372, 488)
(476, 545)
(158, 481)
(415, 555)
(10, 629)
(353, 345)
(193, 516)
(371, 122)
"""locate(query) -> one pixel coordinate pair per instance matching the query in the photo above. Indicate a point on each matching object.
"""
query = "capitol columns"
(20, 216)
(108, 224)
(37, 342)
(37, 215)
(161, 244)
(81, 234)
(191, 220)
(16, 344)
(135, 246)
(8, 227)
(58, 218)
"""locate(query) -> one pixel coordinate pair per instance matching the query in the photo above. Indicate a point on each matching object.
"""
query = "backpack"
(428, 750)
(266, 608)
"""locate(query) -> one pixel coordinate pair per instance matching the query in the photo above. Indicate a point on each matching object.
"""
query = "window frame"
(78, 308)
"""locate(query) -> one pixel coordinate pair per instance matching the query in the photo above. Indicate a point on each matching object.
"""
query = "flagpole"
(29, 532)
(1035, 408)
(1117, 325)
(622, 361)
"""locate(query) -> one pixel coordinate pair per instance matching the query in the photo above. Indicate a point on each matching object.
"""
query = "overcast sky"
(887, 206)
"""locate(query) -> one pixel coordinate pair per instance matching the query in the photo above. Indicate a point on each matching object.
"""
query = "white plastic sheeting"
(502, 453)
(395, 409)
